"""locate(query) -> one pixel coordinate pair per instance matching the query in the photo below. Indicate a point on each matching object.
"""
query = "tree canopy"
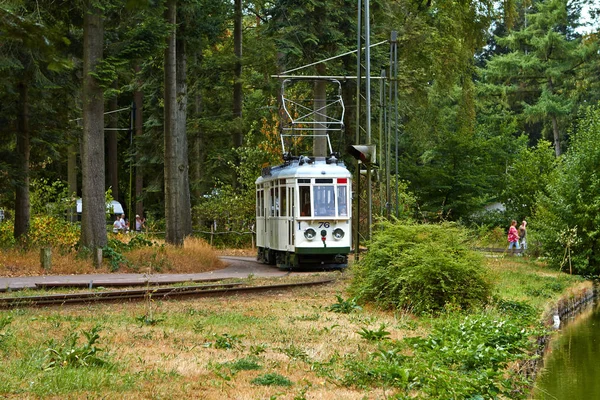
(481, 93)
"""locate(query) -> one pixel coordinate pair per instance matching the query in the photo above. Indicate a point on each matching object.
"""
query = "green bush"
(421, 268)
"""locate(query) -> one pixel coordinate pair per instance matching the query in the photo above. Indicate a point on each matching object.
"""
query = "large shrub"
(421, 268)
(567, 218)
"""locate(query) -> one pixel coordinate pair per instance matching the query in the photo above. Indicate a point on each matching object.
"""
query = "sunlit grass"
(216, 348)
(195, 256)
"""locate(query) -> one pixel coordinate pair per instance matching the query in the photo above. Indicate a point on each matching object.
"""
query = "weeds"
(225, 341)
(70, 355)
(271, 379)
(244, 364)
(344, 306)
(374, 336)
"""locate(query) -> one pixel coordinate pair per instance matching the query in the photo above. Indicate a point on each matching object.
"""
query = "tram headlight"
(338, 234)
(310, 234)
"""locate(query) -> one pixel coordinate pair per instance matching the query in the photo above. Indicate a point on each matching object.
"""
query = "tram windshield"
(324, 201)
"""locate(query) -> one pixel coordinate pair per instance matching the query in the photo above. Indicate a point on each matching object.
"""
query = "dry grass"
(195, 256)
(178, 357)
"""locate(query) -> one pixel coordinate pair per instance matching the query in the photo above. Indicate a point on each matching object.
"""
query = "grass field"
(283, 345)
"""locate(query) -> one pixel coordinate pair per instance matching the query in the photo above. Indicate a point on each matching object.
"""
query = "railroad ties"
(165, 293)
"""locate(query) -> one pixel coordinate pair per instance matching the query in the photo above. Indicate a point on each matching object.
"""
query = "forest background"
(170, 107)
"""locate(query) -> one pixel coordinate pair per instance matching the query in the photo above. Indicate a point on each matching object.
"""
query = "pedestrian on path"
(513, 237)
(523, 235)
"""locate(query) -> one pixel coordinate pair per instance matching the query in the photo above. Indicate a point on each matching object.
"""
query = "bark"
(555, 131)
(22, 203)
(183, 167)
(138, 98)
(113, 169)
(198, 146)
(238, 136)
(72, 178)
(320, 147)
(93, 218)
(174, 226)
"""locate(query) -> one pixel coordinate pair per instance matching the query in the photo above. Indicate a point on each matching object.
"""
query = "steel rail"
(165, 293)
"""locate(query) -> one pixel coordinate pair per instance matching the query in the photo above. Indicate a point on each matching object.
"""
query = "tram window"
(277, 202)
(272, 201)
(283, 198)
(324, 201)
(342, 201)
(258, 196)
(305, 201)
(262, 203)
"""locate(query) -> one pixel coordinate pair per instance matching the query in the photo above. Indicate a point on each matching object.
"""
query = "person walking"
(513, 237)
(139, 223)
(523, 235)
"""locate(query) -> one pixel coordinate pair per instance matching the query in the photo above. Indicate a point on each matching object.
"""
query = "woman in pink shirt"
(513, 236)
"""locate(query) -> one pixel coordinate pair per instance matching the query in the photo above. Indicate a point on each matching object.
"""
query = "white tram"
(303, 214)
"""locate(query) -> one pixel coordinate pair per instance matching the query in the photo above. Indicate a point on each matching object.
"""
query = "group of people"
(517, 238)
(121, 225)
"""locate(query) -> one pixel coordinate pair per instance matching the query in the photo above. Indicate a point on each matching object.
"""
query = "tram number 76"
(324, 224)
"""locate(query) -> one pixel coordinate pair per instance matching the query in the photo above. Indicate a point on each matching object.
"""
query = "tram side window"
(305, 201)
(283, 198)
(342, 201)
(260, 203)
(324, 201)
(272, 199)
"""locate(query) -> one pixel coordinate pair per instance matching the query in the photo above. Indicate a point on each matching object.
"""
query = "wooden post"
(46, 258)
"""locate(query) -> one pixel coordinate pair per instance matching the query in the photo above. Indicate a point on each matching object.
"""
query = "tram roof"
(317, 168)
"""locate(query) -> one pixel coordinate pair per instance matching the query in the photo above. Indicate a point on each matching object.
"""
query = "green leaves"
(568, 211)
(71, 355)
(421, 268)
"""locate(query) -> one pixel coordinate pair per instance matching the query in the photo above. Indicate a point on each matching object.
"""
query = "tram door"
(290, 218)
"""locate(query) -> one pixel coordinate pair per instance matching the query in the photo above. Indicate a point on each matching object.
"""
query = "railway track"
(165, 293)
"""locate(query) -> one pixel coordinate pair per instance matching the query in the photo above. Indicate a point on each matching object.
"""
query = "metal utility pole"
(363, 119)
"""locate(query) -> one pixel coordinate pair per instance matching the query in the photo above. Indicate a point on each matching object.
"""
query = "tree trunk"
(22, 204)
(138, 98)
(72, 178)
(93, 221)
(320, 147)
(113, 168)
(238, 136)
(174, 226)
(555, 131)
(198, 145)
(183, 167)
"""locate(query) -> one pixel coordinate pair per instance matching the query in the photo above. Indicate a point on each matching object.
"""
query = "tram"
(303, 214)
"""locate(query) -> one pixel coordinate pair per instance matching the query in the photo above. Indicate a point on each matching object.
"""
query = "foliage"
(226, 341)
(113, 251)
(421, 268)
(344, 306)
(568, 213)
(45, 230)
(4, 322)
(526, 178)
(244, 364)
(536, 69)
(464, 356)
(271, 379)
(50, 198)
(231, 208)
(374, 336)
(71, 355)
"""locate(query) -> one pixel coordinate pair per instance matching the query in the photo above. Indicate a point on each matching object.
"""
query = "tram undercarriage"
(286, 260)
